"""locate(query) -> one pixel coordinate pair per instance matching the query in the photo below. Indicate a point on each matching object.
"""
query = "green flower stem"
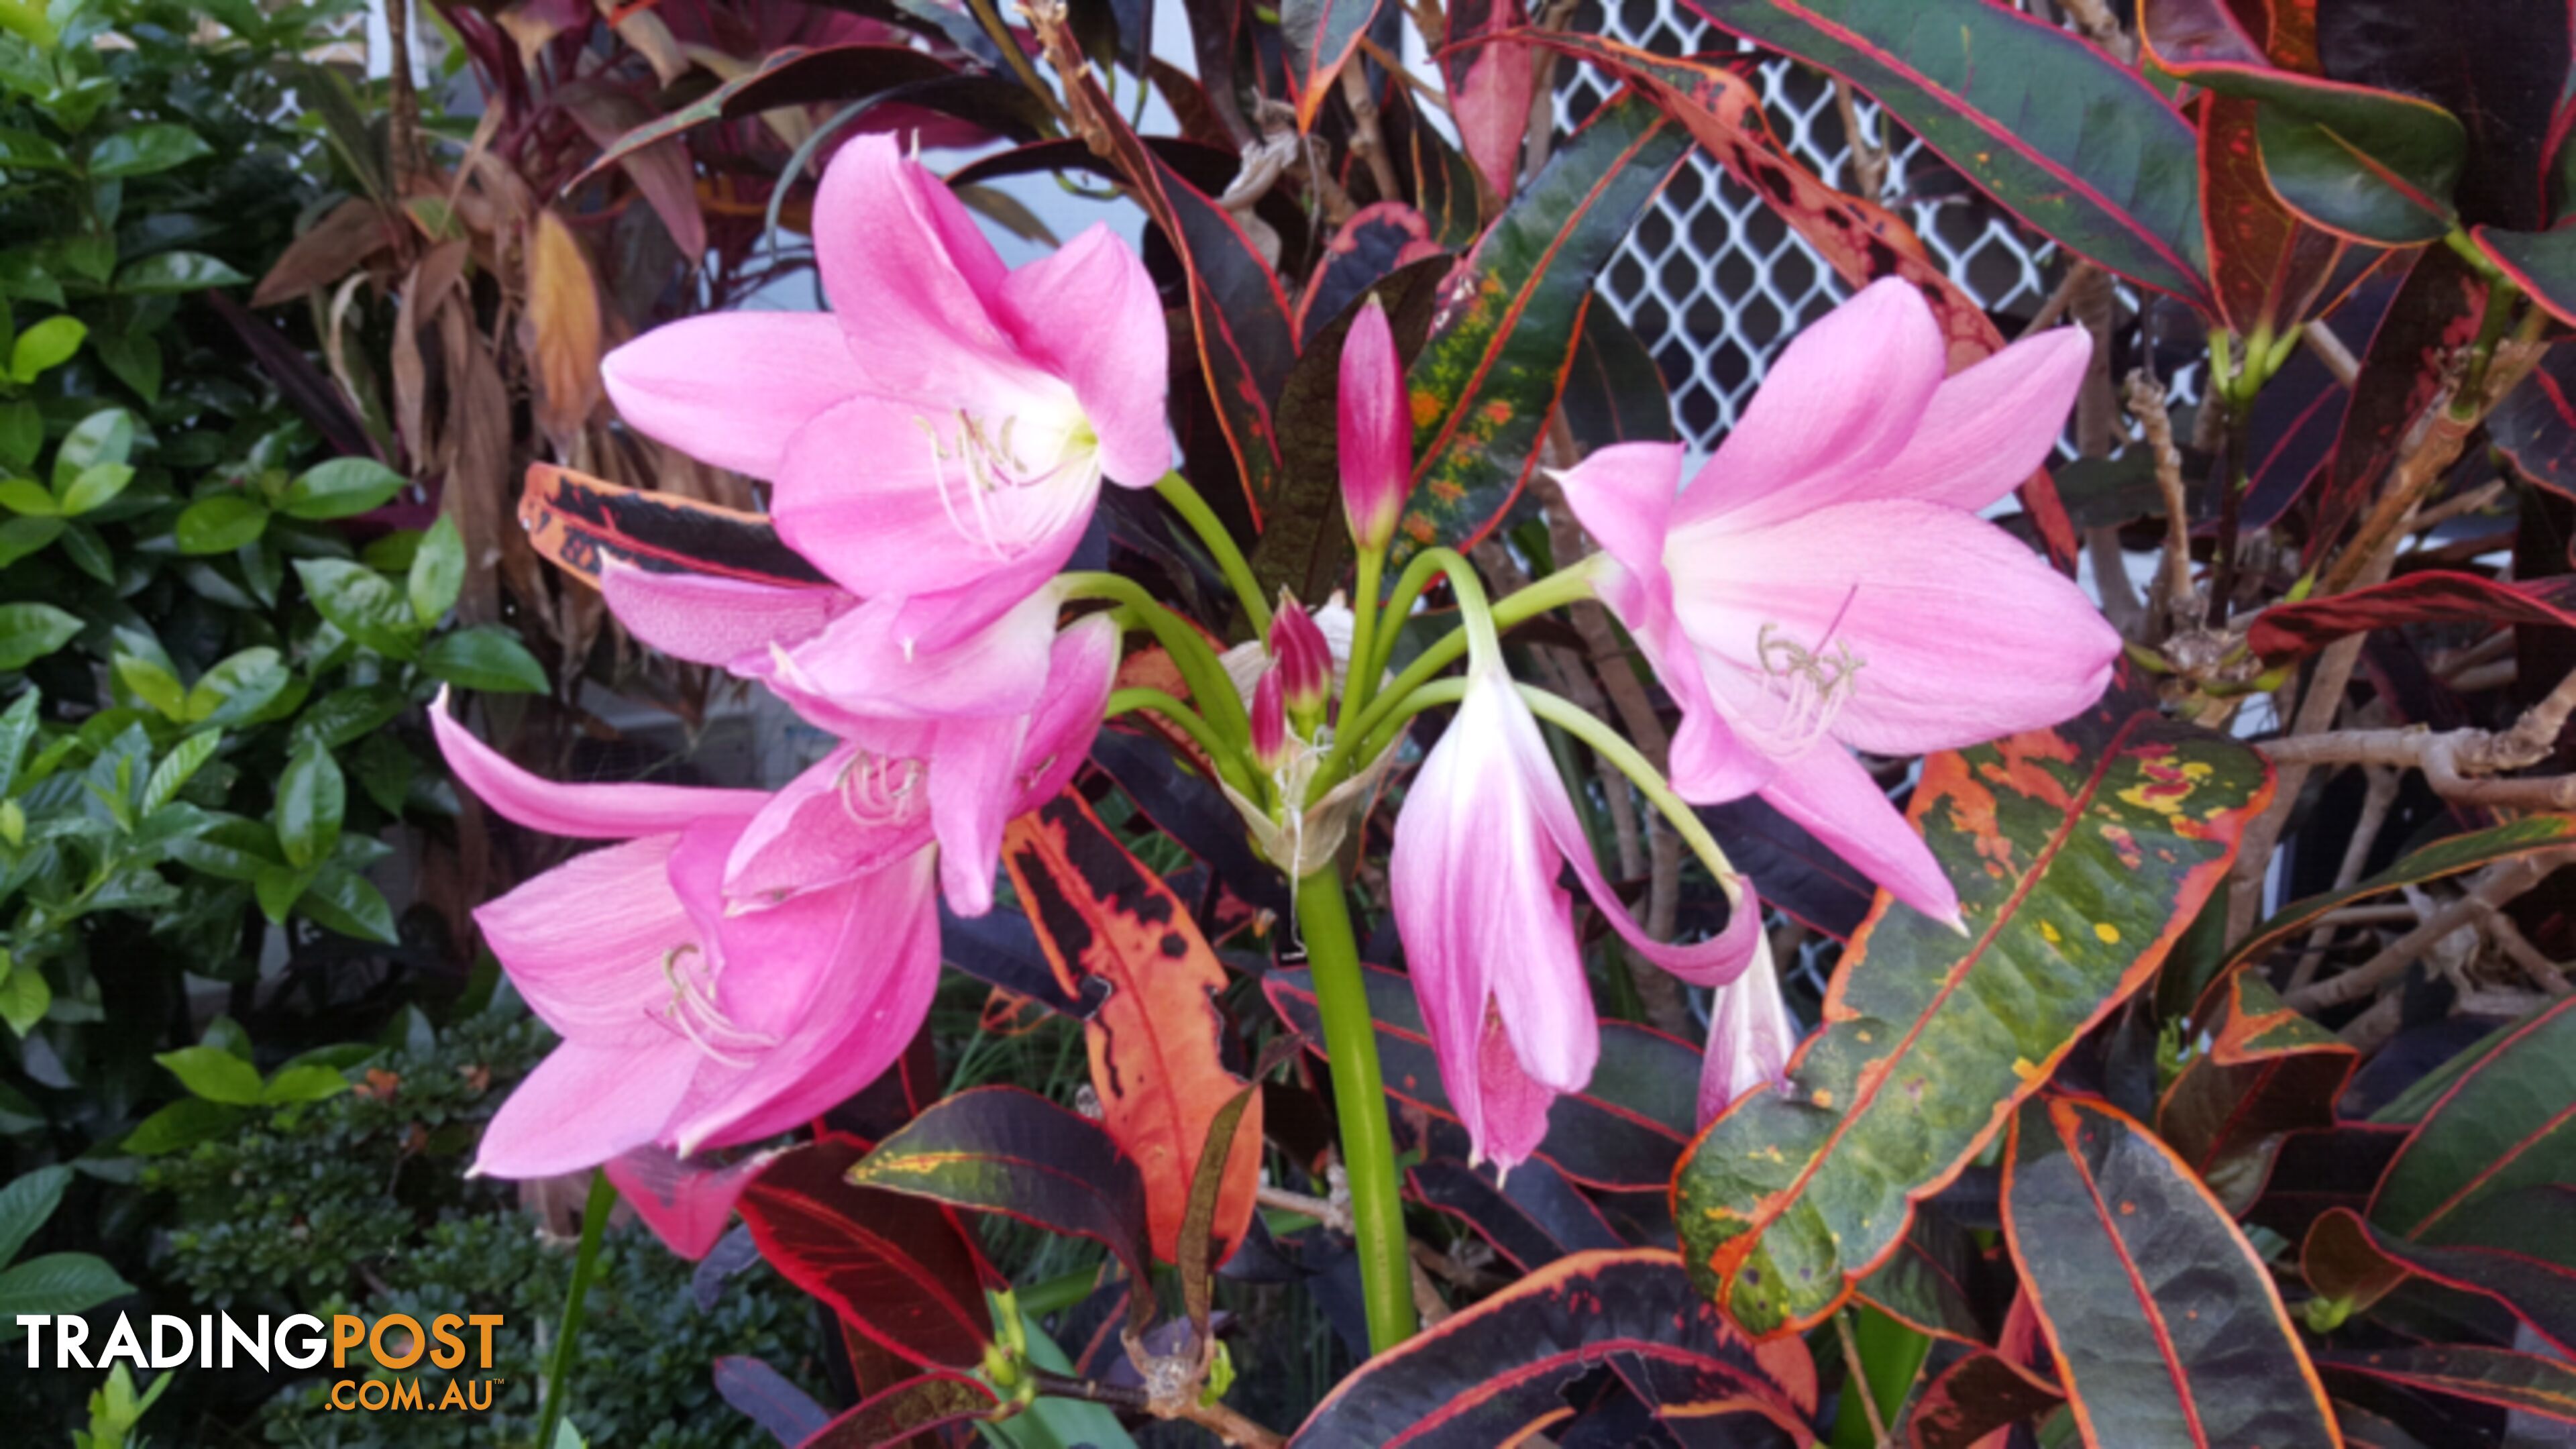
(1210, 689)
(1359, 1097)
(1228, 758)
(1409, 585)
(1604, 741)
(1359, 681)
(1176, 491)
(1565, 586)
(585, 1263)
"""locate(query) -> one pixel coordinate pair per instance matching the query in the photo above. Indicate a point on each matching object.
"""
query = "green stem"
(1359, 1098)
(1556, 590)
(1360, 681)
(1409, 585)
(1176, 491)
(585, 1262)
(1210, 689)
(1228, 759)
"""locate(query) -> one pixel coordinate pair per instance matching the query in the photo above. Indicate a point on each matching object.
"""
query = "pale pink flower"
(1750, 1037)
(1489, 934)
(1374, 430)
(742, 961)
(941, 436)
(1825, 585)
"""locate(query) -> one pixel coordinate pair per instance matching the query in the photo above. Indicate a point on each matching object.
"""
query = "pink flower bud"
(1269, 722)
(1304, 660)
(1376, 434)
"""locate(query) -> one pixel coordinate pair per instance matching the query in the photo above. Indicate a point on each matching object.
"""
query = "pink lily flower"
(1373, 429)
(742, 961)
(941, 437)
(1826, 583)
(976, 708)
(1489, 934)
(1750, 1038)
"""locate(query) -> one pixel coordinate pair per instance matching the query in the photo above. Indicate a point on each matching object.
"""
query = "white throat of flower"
(1809, 686)
(694, 1011)
(986, 473)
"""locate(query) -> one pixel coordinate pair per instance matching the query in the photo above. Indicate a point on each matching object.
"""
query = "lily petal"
(1828, 792)
(1750, 1038)
(686, 1204)
(710, 620)
(974, 792)
(863, 667)
(1990, 425)
(583, 812)
(585, 941)
(584, 1104)
(849, 814)
(1089, 312)
(911, 279)
(731, 387)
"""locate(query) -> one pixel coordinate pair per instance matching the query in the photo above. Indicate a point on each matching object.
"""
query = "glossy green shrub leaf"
(311, 799)
(56, 1283)
(1485, 384)
(29, 632)
(25, 996)
(437, 571)
(28, 498)
(340, 488)
(2077, 146)
(178, 767)
(2079, 854)
(214, 1074)
(220, 523)
(2163, 1318)
(363, 603)
(342, 900)
(238, 687)
(44, 346)
(96, 487)
(105, 436)
(487, 658)
(165, 272)
(25, 1204)
(143, 150)
(182, 1124)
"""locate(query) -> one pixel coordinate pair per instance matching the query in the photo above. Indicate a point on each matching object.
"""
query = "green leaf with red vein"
(2500, 66)
(896, 1268)
(2500, 1376)
(1975, 1397)
(580, 524)
(1860, 240)
(1316, 39)
(2509, 1122)
(1009, 1151)
(2403, 372)
(1493, 1374)
(1623, 1131)
(1614, 392)
(2078, 146)
(2542, 263)
(2163, 1318)
(2265, 1072)
(1533, 1216)
(794, 75)
(1155, 1043)
(2268, 269)
(2535, 425)
(2287, 632)
(2433, 862)
(2514, 1248)
(2079, 854)
(1927, 1284)
(911, 1407)
(1485, 385)
(1239, 318)
(1444, 181)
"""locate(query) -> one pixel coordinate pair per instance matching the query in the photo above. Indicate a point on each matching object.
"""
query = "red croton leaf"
(2287, 632)
(579, 523)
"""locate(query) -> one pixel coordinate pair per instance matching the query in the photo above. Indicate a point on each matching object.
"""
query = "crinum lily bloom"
(1824, 584)
(741, 961)
(976, 707)
(1489, 934)
(941, 436)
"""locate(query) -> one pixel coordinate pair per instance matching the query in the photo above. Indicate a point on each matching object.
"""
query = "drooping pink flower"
(1824, 583)
(1374, 430)
(1489, 934)
(744, 961)
(1750, 1038)
(940, 438)
(976, 707)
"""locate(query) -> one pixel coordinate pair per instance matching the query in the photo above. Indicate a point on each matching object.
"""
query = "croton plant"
(1992, 906)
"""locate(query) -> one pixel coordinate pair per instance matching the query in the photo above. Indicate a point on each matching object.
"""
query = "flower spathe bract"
(1489, 934)
(1374, 430)
(940, 438)
(1825, 584)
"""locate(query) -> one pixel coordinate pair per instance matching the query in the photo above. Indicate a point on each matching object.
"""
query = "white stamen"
(695, 1013)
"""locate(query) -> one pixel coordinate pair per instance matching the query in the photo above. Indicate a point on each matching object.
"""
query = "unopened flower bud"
(1301, 658)
(1375, 431)
(1269, 722)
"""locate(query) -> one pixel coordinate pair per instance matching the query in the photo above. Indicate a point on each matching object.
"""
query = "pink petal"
(730, 387)
(583, 812)
(686, 1204)
(585, 941)
(1712, 962)
(1624, 496)
(864, 665)
(1961, 635)
(1079, 675)
(1473, 878)
(911, 281)
(974, 792)
(865, 493)
(710, 620)
(1828, 792)
(1506, 1115)
(849, 814)
(875, 952)
(584, 1104)
(1089, 312)
(1841, 401)
(1989, 426)
(1750, 1038)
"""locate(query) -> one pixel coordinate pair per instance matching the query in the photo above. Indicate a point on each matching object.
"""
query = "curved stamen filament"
(1811, 685)
(875, 790)
(983, 461)
(694, 1012)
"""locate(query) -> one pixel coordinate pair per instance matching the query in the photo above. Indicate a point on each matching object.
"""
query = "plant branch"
(1367, 138)
(2449, 759)
(2173, 578)
(1868, 157)
(2500, 886)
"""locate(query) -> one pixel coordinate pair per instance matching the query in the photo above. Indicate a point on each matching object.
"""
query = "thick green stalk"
(585, 1263)
(1176, 491)
(1360, 681)
(1210, 690)
(1227, 757)
(1359, 1096)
